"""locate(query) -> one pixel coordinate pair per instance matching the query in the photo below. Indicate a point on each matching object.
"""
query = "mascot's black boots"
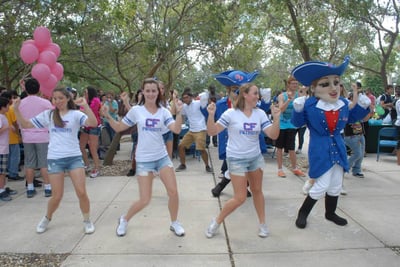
(216, 191)
(305, 209)
(330, 208)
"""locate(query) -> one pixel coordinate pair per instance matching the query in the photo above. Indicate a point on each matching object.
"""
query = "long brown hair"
(240, 102)
(70, 105)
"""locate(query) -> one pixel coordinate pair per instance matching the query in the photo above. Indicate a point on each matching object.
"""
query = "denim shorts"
(168, 136)
(143, 168)
(92, 130)
(241, 166)
(64, 164)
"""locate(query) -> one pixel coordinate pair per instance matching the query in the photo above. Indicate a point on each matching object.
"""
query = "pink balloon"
(51, 82)
(42, 37)
(58, 71)
(29, 41)
(29, 53)
(46, 91)
(48, 58)
(41, 72)
(53, 47)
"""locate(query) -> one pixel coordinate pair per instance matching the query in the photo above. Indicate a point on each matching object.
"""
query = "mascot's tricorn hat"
(235, 77)
(310, 71)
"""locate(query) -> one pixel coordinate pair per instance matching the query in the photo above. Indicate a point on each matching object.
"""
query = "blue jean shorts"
(143, 168)
(241, 166)
(92, 130)
(64, 164)
(168, 136)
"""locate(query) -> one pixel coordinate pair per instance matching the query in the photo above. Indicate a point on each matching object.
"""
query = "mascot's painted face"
(327, 88)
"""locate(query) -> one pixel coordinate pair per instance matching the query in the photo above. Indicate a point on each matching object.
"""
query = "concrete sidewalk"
(370, 238)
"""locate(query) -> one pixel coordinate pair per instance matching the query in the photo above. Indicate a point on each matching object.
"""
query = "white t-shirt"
(150, 127)
(197, 121)
(243, 132)
(397, 107)
(64, 141)
(4, 136)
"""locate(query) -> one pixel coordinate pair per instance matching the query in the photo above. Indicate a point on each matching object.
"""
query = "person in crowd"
(386, 100)
(64, 154)
(325, 113)
(14, 154)
(151, 119)
(303, 91)
(175, 142)
(35, 140)
(5, 192)
(212, 97)
(73, 92)
(393, 111)
(89, 135)
(167, 134)
(197, 130)
(112, 105)
(397, 125)
(370, 94)
(287, 135)
(232, 80)
(245, 162)
(355, 141)
(134, 135)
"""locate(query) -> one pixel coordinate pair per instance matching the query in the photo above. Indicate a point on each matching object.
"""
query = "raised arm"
(176, 127)
(213, 128)
(273, 131)
(118, 126)
(91, 120)
(125, 100)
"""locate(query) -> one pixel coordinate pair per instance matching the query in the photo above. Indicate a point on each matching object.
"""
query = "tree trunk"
(109, 157)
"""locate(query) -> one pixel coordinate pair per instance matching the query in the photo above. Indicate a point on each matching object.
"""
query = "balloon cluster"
(47, 70)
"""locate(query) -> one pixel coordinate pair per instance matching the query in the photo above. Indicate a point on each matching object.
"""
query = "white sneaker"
(212, 228)
(177, 228)
(343, 192)
(122, 226)
(298, 151)
(89, 227)
(94, 173)
(264, 232)
(306, 187)
(42, 226)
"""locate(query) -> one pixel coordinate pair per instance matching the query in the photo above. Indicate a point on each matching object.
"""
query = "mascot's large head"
(322, 77)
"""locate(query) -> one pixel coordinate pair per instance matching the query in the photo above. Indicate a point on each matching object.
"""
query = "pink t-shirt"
(4, 136)
(30, 107)
(95, 106)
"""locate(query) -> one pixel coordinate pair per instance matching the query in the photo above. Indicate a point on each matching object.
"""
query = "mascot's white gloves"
(363, 101)
(266, 94)
(298, 103)
(203, 99)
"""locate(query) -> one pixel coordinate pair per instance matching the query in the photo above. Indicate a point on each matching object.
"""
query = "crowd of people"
(58, 136)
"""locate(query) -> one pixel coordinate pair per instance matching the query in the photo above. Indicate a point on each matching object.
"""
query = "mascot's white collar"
(328, 106)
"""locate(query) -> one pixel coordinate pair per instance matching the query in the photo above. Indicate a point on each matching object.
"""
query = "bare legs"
(239, 184)
(167, 176)
(93, 142)
(57, 184)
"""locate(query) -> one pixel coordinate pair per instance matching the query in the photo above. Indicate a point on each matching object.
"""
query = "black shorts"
(286, 139)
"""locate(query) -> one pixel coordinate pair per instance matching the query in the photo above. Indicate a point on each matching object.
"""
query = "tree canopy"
(115, 44)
